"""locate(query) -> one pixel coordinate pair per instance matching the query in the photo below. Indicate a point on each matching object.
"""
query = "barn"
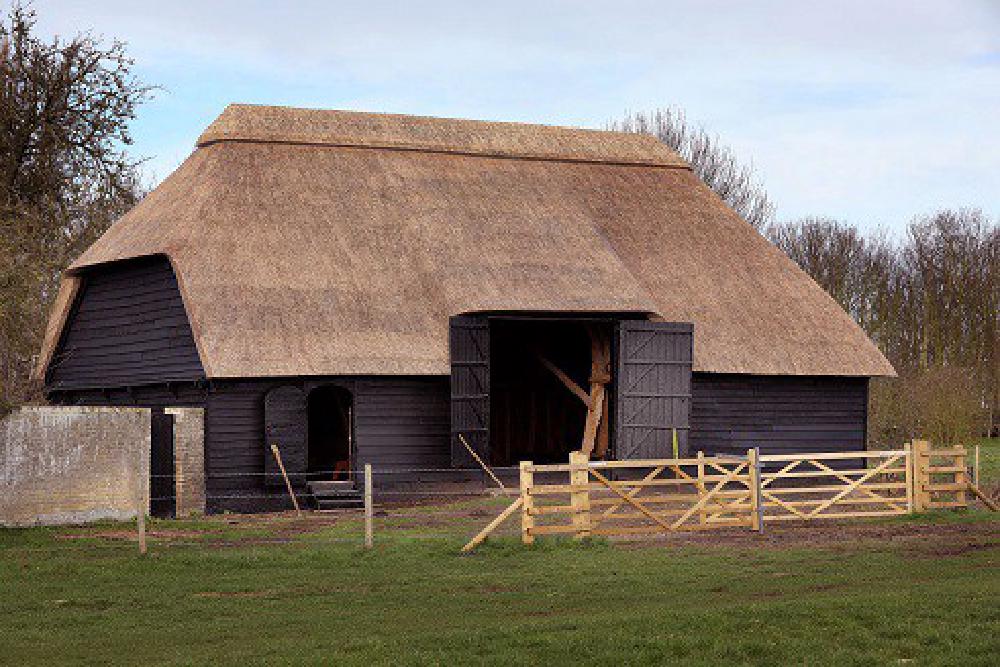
(367, 288)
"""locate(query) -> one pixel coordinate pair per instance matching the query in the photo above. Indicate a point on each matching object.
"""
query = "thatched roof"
(324, 242)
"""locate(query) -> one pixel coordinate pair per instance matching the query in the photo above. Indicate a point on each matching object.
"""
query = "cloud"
(871, 111)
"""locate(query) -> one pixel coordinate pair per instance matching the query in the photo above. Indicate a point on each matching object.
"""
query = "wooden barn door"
(285, 425)
(469, 341)
(162, 479)
(653, 388)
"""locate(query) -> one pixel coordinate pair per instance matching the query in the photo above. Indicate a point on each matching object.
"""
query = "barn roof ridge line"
(430, 134)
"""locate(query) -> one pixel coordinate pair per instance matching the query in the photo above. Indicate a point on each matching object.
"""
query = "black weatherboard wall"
(128, 327)
(731, 413)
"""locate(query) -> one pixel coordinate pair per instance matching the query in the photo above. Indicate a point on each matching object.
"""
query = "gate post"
(756, 501)
(700, 486)
(527, 503)
(908, 475)
(579, 479)
(921, 476)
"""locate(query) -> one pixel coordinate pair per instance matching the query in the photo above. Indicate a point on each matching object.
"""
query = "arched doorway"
(330, 418)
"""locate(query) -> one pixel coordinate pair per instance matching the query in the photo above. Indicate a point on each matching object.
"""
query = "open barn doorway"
(330, 433)
(542, 374)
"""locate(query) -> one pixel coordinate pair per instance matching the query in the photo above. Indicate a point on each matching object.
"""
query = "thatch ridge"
(313, 259)
(270, 124)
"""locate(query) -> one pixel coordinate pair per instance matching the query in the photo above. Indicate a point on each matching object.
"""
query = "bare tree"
(65, 110)
(931, 301)
(715, 163)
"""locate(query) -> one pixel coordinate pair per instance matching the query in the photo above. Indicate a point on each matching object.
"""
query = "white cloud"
(873, 111)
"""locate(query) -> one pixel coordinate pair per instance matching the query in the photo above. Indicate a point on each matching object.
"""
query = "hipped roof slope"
(311, 242)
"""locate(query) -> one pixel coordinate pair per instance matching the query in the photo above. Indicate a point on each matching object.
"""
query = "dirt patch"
(932, 539)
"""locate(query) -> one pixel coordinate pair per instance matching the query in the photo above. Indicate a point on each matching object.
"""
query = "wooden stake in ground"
(369, 510)
(140, 520)
(141, 505)
(288, 483)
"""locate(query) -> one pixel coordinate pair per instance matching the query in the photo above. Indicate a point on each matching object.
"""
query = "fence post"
(579, 499)
(921, 476)
(369, 512)
(908, 475)
(756, 501)
(700, 486)
(961, 477)
(140, 521)
(527, 519)
(975, 467)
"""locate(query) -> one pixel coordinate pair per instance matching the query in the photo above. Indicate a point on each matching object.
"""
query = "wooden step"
(333, 487)
(338, 502)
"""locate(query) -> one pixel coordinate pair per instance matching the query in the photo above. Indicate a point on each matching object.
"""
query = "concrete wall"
(73, 464)
(189, 459)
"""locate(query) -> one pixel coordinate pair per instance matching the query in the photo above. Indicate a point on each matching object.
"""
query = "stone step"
(338, 502)
(333, 487)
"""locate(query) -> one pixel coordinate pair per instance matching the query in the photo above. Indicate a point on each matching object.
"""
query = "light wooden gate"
(834, 485)
(643, 497)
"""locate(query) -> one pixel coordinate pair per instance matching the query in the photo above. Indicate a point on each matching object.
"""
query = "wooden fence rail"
(659, 496)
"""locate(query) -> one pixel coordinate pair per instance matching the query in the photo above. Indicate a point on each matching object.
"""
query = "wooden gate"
(835, 485)
(620, 498)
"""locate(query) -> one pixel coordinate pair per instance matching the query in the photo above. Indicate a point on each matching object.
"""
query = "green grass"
(989, 460)
(213, 596)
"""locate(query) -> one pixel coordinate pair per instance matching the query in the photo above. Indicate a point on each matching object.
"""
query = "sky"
(871, 112)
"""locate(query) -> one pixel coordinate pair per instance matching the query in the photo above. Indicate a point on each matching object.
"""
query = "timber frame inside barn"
(369, 288)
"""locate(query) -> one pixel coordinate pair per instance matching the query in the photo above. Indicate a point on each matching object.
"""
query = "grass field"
(989, 461)
(281, 590)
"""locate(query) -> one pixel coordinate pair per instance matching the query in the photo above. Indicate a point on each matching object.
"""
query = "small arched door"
(285, 425)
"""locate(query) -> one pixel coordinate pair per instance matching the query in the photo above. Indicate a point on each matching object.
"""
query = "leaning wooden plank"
(288, 483)
(485, 467)
(492, 525)
(986, 500)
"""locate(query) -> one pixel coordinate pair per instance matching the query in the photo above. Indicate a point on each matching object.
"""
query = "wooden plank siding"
(128, 327)
(731, 413)
(400, 422)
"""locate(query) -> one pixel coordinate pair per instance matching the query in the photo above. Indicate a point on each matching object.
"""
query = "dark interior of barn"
(329, 433)
(534, 415)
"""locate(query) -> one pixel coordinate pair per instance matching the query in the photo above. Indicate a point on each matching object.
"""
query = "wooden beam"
(976, 491)
(565, 379)
(593, 418)
(492, 525)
